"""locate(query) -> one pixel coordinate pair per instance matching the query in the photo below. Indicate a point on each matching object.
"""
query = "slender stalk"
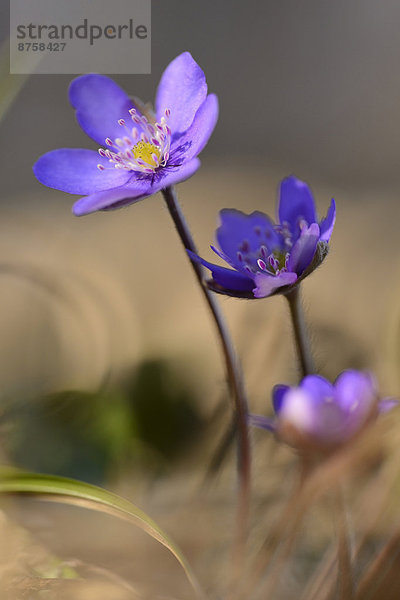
(278, 544)
(345, 572)
(300, 332)
(234, 377)
(383, 568)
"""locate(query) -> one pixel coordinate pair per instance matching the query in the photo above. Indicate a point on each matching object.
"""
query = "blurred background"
(104, 333)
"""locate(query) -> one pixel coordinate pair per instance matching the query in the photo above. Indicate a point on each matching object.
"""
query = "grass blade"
(78, 493)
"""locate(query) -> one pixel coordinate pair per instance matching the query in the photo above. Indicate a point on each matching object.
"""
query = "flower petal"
(99, 103)
(326, 419)
(318, 388)
(222, 255)
(327, 224)
(296, 203)
(227, 278)
(267, 284)
(163, 177)
(298, 411)
(356, 391)
(262, 422)
(74, 170)
(303, 251)
(192, 142)
(104, 200)
(182, 90)
(139, 186)
(254, 230)
(356, 396)
(278, 393)
(386, 404)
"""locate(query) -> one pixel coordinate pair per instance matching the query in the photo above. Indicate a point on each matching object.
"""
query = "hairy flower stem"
(300, 332)
(234, 377)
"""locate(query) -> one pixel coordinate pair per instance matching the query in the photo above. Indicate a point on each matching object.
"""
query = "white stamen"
(262, 264)
(124, 152)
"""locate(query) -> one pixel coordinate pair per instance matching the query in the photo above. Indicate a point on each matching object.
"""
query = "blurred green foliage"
(163, 407)
(144, 421)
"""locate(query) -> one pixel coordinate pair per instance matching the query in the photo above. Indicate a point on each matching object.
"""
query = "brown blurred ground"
(82, 299)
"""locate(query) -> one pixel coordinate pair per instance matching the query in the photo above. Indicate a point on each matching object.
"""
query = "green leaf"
(70, 491)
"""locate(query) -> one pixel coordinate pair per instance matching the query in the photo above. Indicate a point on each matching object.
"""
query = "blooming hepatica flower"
(140, 153)
(319, 415)
(268, 257)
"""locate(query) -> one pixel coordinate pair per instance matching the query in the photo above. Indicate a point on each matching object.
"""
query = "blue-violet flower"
(319, 415)
(141, 152)
(268, 258)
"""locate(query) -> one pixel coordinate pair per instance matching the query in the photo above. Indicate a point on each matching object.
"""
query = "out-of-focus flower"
(319, 415)
(141, 153)
(267, 258)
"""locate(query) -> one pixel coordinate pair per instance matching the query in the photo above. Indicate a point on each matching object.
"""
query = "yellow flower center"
(281, 259)
(148, 153)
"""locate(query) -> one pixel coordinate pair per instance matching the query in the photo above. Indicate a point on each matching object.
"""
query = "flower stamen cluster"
(265, 259)
(144, 147)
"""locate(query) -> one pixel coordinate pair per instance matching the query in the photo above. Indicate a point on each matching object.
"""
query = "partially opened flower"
(140, 153)
(267, 258)
(319, 415)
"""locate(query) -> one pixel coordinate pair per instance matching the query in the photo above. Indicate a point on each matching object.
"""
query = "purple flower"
(319, 415)
(141, 152)
(268, 258)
